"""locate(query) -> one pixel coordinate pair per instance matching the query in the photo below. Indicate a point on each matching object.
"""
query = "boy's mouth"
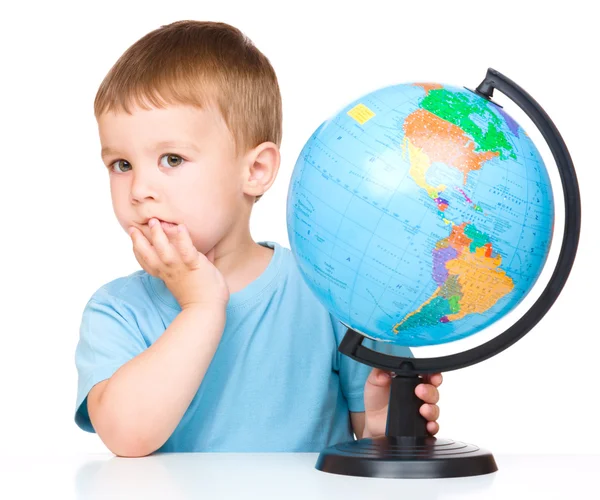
(163, 223)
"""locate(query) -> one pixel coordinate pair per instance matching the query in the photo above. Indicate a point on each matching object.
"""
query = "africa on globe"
(420, 214)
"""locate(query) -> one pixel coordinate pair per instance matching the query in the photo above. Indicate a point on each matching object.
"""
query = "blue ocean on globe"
(420, 214)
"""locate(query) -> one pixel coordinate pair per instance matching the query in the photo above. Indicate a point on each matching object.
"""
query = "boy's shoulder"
(131, 291)
(123, 285)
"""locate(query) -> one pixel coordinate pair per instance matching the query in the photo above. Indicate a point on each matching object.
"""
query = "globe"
(420, 214)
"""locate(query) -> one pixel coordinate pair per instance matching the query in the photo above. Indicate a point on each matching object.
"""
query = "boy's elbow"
(124, 439)
(122, 436)
(132, 452)
(130, 447)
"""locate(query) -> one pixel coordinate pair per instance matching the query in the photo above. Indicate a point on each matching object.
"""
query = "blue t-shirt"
(276, 382)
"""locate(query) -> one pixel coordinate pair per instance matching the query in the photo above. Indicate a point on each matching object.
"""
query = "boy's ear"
(261, 168)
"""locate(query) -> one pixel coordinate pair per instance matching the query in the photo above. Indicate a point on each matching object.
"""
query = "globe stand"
(406, 450)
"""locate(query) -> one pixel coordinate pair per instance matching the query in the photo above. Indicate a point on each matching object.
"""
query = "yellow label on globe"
(361, 113)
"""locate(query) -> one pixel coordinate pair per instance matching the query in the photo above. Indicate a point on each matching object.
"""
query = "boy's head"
(190, 123)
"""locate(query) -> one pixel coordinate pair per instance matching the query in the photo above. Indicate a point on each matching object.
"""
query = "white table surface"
(282, 476)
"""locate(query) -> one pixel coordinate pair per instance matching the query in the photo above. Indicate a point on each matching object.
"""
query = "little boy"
(217, 344)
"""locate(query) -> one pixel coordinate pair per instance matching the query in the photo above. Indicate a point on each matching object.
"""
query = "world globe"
(420, 214)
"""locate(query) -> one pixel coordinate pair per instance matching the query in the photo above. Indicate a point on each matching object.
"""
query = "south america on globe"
(420, 214)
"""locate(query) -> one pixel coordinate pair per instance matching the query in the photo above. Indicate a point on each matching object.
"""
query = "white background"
(60, 240)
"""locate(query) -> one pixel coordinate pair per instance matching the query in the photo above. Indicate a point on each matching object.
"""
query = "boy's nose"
(142, 187)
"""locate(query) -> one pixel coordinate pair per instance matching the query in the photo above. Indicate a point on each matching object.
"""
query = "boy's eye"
(172, 161)
(112, 165)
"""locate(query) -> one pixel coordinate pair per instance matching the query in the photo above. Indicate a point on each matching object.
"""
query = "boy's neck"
(241, 260)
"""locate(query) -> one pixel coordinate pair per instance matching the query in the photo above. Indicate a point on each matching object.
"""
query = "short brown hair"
(199, 63)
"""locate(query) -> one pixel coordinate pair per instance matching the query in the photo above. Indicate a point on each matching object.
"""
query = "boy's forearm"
(145, 399)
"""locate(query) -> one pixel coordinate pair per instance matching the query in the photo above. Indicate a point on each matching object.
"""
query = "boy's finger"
(144, 251)
(186, 248)
(435, 379)
(430, 412)
(142, 262)
(427, 393)
(433, 428)
(161, 243)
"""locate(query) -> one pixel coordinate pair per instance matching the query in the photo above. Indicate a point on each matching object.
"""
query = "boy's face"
(177, 164)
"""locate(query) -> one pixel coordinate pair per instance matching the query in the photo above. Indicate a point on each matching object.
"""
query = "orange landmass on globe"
(432, 139)
(482, 284)
(429, 86)
(471, 280)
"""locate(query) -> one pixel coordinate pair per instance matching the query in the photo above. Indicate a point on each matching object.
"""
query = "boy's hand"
(190, 276)
(377, 397)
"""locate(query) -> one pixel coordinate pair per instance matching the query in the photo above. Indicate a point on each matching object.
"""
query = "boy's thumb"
(379, 377)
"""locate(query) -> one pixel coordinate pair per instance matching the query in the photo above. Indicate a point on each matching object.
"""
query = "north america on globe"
(420, 214)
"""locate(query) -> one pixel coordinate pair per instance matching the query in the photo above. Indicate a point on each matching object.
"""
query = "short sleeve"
(353, 375)
(108, 338)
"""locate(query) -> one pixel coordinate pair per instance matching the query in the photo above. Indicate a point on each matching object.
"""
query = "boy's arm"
(358, 423)
(136, 410)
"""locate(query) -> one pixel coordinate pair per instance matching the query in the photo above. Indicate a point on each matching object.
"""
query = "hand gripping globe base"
(407, 450)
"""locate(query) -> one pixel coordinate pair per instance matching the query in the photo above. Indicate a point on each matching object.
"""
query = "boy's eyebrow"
(160, 145)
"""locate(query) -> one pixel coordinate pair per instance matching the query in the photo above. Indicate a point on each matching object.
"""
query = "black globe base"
(406, 457)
